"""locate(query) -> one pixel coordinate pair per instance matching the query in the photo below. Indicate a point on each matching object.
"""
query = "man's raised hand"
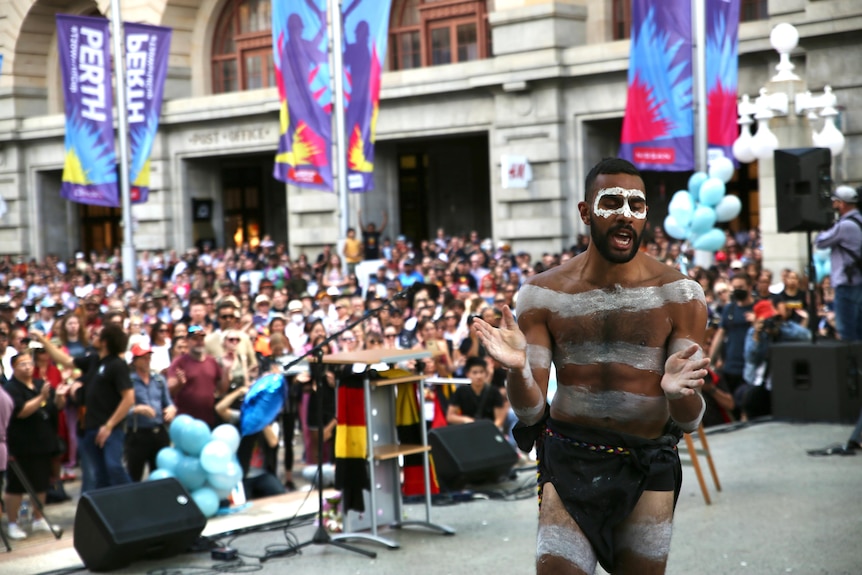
(507, 343)
(684, 372)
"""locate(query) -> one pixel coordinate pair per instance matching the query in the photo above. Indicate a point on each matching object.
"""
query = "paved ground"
(779, 511)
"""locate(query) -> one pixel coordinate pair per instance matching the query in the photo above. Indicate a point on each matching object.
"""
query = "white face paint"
(624, 196)
(567, 544)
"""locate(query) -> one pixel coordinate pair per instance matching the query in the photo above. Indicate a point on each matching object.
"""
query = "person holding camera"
(754, 396)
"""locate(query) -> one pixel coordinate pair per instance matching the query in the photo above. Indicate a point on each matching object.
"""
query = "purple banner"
(301, 60)
(722, 71)
(147, 49)
(366, 27)
(658, 128)
(90, 169)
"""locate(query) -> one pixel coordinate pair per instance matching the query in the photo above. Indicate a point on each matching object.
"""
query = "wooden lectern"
(383, 502)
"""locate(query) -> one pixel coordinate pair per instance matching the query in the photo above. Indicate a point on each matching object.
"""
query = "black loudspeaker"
(470, 453)
(803, 189)
(816, 381)
(118, 525)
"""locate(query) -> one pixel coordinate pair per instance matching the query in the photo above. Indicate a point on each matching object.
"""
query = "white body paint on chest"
(619, 406)
(619, 299)
(624, 210)
(592, 353)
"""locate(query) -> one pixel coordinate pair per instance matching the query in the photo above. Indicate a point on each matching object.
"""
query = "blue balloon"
(159, 474)
(722, 168)
(222, 493)
(728, 208)
(711, 192)
(229, 434)
(215, 456)
(167, 458)
(673, 229)
(206, 500)
(228, 479)
(710, 241)
(262, 403)
(194, 437)
(190, 473)
(694, 183)
(703, 220)
(178, 427)
(681, 207)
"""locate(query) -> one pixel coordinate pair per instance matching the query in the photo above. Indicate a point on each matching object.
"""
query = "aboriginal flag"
(351, 443)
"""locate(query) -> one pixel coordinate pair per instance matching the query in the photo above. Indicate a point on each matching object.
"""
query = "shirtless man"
(623, 331)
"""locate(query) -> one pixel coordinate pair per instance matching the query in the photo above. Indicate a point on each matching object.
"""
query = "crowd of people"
(95, 368)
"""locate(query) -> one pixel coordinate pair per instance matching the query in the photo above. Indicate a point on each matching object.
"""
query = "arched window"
(434, 32)
(242, 47)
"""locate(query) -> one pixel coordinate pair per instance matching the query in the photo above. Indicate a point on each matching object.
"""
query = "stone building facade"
(545, 79)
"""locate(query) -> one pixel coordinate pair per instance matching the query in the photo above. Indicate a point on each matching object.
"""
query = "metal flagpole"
(698, 10)
(128, 249)
(338, 100)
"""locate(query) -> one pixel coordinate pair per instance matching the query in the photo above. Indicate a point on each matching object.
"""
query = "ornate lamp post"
(787, 115)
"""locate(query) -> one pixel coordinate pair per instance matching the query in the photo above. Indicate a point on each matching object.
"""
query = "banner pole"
(338, 101)
(701, 160)
(128, 249)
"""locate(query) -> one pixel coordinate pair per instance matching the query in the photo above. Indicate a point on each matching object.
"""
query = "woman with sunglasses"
(160, 345)
(235, 369)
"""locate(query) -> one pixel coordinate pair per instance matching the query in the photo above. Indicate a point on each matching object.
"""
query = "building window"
(621, 19)
(436, 32)
(242, 47)
(753, 10)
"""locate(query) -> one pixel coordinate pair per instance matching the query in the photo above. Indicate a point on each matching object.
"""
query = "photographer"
(754, 396)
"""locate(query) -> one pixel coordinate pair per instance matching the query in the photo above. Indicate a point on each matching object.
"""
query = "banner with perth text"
(658, 127)
(147, 50)
(90, 167)
(302, 73)
(722, 72)
(366, 27)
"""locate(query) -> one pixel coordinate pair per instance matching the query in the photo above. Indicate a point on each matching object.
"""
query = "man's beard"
(602, 243)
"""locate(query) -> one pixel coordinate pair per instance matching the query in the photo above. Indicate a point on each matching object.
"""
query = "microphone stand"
(321, 535)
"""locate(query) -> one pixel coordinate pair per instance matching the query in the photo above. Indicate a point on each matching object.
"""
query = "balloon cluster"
(204, 462)
(693, 213)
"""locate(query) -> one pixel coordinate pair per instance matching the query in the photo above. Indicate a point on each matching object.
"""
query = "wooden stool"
(695, 462)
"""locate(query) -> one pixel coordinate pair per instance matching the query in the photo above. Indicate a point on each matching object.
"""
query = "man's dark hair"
(743, 276)
(607, 166)
(19, 356)
(115, 339)
(475, 362)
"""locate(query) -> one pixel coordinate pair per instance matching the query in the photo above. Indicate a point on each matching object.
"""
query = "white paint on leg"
(568, 544)
(649, 539)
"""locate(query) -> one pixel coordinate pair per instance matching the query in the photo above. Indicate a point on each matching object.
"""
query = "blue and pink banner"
(147, 50)
(90, 168)
(658, 127)
(722, 71)
(301, 59)
(366, 27)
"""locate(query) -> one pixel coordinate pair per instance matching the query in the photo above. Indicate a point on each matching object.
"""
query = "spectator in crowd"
(754, 396)
(794, 298)
(32, 439)
(195, 379)
(160, 346)
(229, 318)
(153, 411)
(371, 235)
(352, 251)
(256, 452)
(479, 400)
(845, 239)
(728, 344)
